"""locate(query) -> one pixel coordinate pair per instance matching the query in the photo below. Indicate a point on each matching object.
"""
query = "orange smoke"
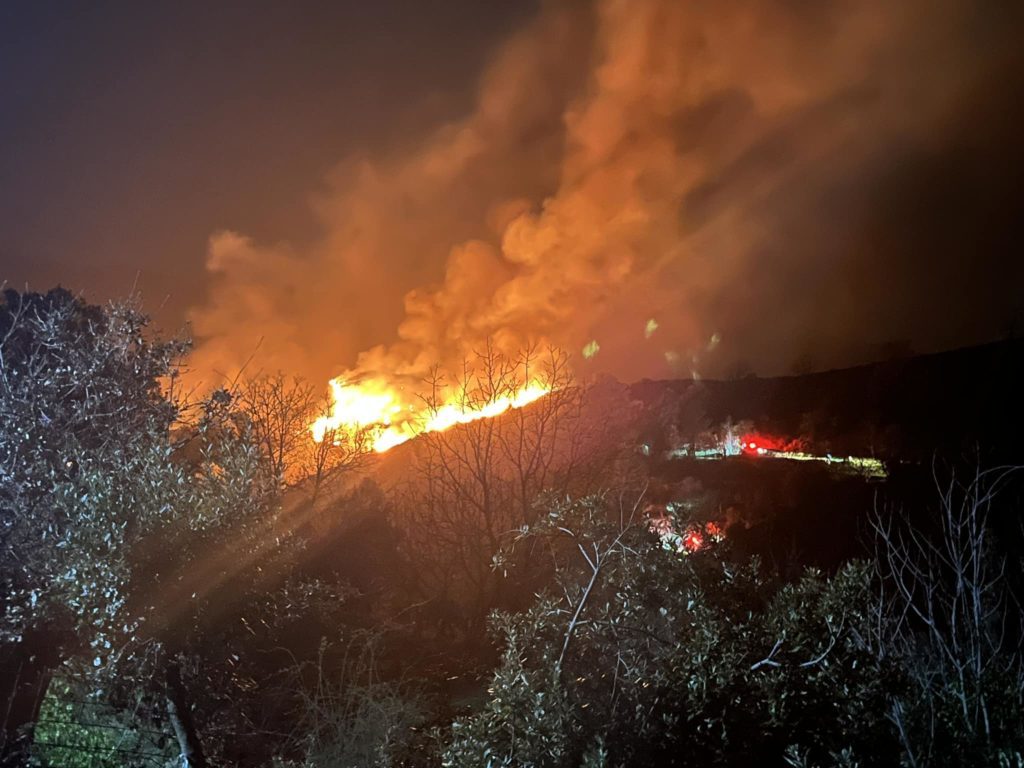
(625, 162)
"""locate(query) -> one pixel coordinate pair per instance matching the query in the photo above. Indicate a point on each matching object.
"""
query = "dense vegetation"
(194, 582)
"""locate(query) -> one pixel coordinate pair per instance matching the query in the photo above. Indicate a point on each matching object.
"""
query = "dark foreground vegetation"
(192, 581)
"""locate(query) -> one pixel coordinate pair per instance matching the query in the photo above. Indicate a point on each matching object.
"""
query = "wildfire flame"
(378, 406)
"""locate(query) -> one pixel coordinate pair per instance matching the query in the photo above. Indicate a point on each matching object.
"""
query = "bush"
(650, 656)
(350, 717)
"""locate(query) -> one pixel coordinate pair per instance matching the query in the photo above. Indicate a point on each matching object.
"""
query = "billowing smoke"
(687, 184)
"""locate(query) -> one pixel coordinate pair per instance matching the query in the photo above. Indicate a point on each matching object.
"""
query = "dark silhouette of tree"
(475, 485)
(950, 608)
(281, 410)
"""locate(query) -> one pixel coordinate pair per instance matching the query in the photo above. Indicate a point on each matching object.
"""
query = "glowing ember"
(376, 405)
(692, 540)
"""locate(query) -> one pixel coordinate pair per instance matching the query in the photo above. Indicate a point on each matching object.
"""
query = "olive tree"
(82, 419)
(132, 521)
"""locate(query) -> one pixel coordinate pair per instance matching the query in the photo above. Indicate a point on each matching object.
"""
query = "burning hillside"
(396, 506)
(376, 406)
(391, 411)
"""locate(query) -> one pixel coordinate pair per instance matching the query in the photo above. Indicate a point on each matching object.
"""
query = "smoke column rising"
(751, 172)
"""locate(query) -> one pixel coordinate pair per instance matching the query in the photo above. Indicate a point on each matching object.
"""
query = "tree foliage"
(158, 549)
(647, 655)
(140, 530)
(83, 419)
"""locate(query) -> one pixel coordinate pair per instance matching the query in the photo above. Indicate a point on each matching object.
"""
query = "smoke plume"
(692, 185)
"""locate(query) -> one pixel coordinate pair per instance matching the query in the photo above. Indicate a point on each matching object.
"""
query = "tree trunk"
(180, 715)
(25, 672)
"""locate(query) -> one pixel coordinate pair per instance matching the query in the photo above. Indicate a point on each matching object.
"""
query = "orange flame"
(375, 404)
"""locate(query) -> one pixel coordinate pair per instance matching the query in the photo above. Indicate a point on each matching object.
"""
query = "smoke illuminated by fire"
(645, 174)
(376, 405)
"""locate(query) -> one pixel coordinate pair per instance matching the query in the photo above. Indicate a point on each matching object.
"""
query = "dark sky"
(129, 132)
(383, 185)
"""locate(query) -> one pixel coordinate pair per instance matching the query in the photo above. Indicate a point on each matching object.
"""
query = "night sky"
(129, 132)
(382, 185)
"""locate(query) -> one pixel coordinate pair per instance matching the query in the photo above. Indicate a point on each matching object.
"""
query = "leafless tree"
(281, 410)
(341, 451)
(945, 606)
(351, 715)
(474, 486)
